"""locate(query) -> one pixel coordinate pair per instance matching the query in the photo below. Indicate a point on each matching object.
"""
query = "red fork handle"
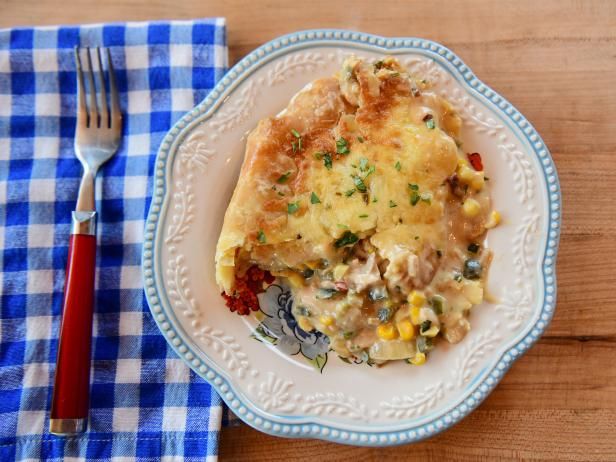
(70, 403)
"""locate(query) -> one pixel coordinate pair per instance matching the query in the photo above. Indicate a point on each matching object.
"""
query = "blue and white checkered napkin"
(145, 403)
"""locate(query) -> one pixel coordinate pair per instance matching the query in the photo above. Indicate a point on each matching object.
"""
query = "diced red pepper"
(244, 298)
(475, 160)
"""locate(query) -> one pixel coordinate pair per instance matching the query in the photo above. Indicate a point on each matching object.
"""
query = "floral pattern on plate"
(279, 328)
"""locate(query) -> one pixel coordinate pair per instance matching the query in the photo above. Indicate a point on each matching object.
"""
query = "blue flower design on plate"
(278, 327)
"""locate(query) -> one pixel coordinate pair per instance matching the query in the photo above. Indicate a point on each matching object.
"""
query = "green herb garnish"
(398, 166)
(360, 139)
(319, 155)
(327, 161)
(296, 133)
(292, 207)
(261, 237)
(392, 204)
(415, 198)
(348, 238)
(342, 146)
(349, 193)
(359, 184)
(283, 178)
(416, 238)
(430, 123)
(363, 216)
(414, 187)
(425, 326)
(314, 199)
(394, 74)
(363, 164)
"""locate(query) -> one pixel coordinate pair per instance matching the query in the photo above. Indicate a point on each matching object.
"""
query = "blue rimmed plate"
(273, 375)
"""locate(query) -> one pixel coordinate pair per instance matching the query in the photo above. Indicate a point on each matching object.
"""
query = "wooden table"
(556, 62)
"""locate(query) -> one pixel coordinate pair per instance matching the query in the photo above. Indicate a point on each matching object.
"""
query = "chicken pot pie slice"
(360, 197)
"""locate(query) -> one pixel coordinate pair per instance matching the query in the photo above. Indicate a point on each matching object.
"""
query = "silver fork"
(97, 137)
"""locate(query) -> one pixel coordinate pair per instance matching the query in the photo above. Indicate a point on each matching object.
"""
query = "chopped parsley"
(280, 193)
(363, 215)
(283, 178)
(398, 166)
(292, 207)
(413, 187)
(392, 204)
(349, 193)
(314, 199)
(363, 164)
(394, 74)
(375, 199)
(348, 238)
(261, 237)
(342, 146)
(360, 139)
(429, 120)
(414, 198)
(319, 155)
(341, 226)
(359, 184)
(327, 161)
(416, 238)
(296, 145)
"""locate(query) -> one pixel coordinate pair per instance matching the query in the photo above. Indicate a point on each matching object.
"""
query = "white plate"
(196, 172)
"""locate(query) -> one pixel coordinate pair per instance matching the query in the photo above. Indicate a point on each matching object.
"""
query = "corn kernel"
(417, 298)
(304, 323)
(466, 174)
(493, 220)
(478, 181)
(340, 271)
(419, 359)
(414, 312)
(471, 208)
(326, 320)
(462, 162)
(406, 330)
(386, 332)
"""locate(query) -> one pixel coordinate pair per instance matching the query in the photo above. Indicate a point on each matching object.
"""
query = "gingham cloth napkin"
(145, 403)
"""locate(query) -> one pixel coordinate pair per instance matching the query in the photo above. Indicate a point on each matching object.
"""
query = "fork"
(97, 137)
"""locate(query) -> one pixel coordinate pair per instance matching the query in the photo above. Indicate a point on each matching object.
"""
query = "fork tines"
(96, 111)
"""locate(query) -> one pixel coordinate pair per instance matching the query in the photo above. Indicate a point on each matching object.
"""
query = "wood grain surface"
(556, 62)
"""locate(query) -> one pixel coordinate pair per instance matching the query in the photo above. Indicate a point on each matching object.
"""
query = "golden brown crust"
(379, 114)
